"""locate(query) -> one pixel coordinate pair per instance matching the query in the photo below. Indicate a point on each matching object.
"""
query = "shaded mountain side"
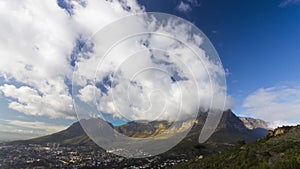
(229, 131)
(279, 149)
(73, 135)
(231, 128)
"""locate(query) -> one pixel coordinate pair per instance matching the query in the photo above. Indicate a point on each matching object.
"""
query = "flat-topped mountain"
(230, 130)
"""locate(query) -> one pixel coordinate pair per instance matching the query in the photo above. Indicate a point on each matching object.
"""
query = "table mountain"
(229, 131)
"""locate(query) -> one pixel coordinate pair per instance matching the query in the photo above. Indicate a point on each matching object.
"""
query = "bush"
(199, 146)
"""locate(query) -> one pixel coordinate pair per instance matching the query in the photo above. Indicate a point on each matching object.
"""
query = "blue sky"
(257, 41)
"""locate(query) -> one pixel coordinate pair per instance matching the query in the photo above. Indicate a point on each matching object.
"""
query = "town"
(53, 155)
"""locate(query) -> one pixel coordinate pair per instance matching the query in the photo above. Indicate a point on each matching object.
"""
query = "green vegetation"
(274, 151)
(199, 146)
(241, 142)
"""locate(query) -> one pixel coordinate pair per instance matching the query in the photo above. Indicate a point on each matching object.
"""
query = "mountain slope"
(252, 123)
(280, 149)
(229, 131)
(73, 135)
(231, 128)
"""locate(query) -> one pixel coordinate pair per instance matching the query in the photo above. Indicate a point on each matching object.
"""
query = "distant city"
(56, 156)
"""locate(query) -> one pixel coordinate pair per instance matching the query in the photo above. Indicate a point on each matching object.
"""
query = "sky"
(257, 42)
(41, 43)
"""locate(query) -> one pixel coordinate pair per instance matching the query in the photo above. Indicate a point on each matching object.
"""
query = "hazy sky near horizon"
(257, 41)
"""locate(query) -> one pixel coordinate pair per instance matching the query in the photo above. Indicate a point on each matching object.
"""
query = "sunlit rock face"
(252, 123)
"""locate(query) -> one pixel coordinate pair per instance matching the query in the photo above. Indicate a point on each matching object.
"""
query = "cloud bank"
(37, 41)
(288, 3)
(278, 105)
(43, 42)
(159, 78)
(16, 129)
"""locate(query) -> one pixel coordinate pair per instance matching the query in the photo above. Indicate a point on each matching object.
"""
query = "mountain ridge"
(230, 132)
(252, 123)
(229, 121)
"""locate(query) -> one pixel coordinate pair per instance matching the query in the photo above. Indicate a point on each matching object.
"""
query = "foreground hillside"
(279, 149)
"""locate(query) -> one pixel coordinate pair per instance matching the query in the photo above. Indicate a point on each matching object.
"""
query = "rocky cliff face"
(231, 122)
(279, 131)
(252, 123)
(231, 128)
(143, 130)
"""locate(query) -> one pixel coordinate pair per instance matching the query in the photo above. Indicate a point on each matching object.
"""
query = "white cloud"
(16, 130)
(277, 105)
(187, 5)
(36, 42)
(140, 76)
(99, 13)
(30, 102)
(36, 125)
(12, 132)
(285, 3)
(88, 94)
(184, 7)
(38, 38)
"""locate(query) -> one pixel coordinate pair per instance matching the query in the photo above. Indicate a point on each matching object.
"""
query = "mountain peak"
(230, 129)
(230, 121)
